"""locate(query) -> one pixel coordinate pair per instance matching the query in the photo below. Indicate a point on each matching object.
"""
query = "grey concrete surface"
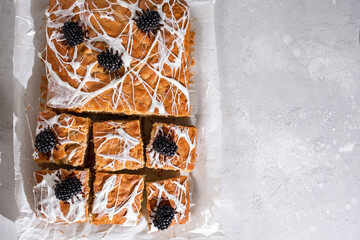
(7, 184)
(291, 96)
(8, 207)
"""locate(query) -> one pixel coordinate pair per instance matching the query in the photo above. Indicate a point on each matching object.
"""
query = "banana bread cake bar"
(168, 203)
(118, 145)
(117, 199)
(172, 147)
(129, 56)
(61, 139)
(61, 195)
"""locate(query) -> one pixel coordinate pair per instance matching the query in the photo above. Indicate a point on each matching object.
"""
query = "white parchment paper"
(205, 179)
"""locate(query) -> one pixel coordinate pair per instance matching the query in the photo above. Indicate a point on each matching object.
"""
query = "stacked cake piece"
(118, 145)
(128, 57)
(64, 195)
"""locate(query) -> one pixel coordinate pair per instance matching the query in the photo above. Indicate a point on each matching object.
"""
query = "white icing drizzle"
(101, 200)
(175, 197)
(116, 137)
(48, 206)
(159, 161)
(54, 121)
(66, 96)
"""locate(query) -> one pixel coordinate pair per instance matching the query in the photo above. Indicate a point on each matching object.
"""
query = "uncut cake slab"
(120, 66)
(118, 57)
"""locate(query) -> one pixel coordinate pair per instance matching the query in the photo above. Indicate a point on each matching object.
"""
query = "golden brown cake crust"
(154, 79)
(174, 191)
(72, 134)
(52, 210)
(186, 141)
(118, 145)
(117, 199)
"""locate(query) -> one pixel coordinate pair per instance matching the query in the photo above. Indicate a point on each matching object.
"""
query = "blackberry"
(68, 188)
(165, 146)
(45, 141)
(148, 21)
(163, 217)
(73, 33)
(109, 60)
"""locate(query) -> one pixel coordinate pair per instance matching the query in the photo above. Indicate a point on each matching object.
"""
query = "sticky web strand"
(101, 200)
(71, 97)
(117, 136)
(159, 161)
(176, 197)
(48, 206)
(70, 129)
